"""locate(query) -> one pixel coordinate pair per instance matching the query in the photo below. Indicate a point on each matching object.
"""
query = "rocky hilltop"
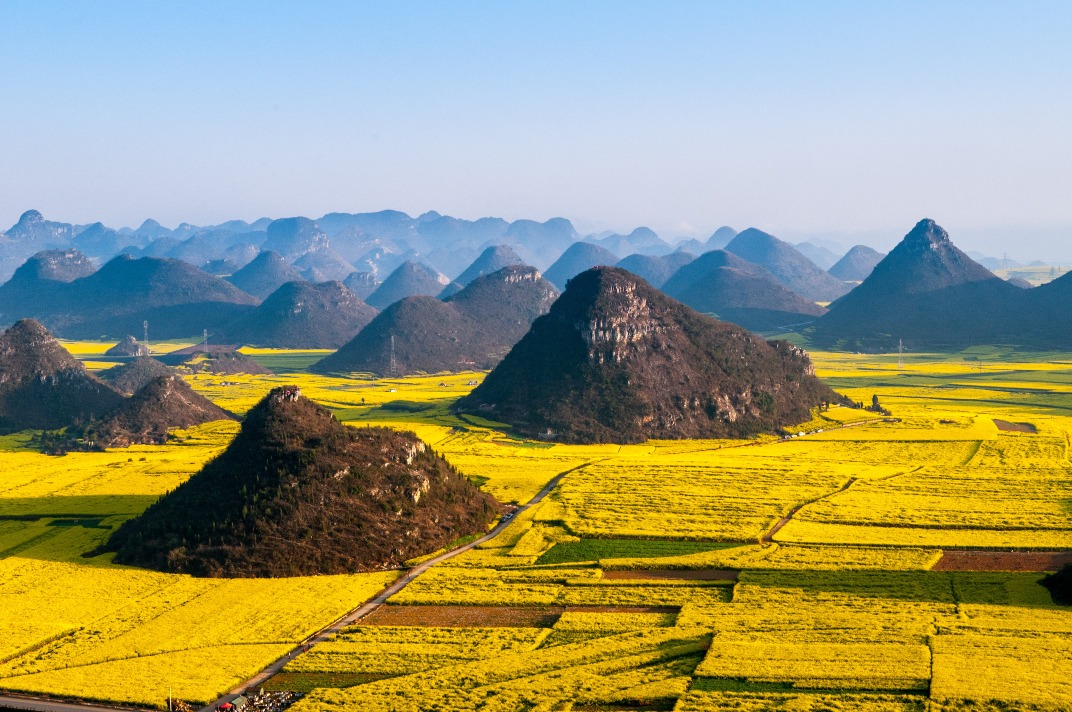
(297, 493)
(44, 386)
(615, 360)
(128, 348)
(135, 374)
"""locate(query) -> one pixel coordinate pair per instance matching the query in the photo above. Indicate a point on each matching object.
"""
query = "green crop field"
(601, 597)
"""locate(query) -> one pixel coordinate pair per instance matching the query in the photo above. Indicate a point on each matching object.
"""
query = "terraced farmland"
(834, 596)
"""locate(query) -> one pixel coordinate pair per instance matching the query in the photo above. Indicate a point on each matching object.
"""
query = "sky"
(843, 121)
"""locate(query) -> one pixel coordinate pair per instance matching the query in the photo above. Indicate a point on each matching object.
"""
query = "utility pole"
(900, 354)
(393, 370)
(145, 332)
(205, 342)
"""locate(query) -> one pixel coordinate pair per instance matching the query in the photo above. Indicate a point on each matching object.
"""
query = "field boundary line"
(325, 633)
(768, 538)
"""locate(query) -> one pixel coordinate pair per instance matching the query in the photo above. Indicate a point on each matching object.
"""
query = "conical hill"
(165, 402)
(43, 386)
(298, 493)
(615, 360)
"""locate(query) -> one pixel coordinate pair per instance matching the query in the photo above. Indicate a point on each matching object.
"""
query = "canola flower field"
(798, 574)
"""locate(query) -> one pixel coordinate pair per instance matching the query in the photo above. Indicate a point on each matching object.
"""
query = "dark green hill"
(135, 374)
(787, 264)
(43, 386)
(297, 493)
(615, 360)
(929, 294)
(656, 270)
(302, 315)
(576, 259)
(856, 264)
(163, 403)
(732, 289)
(265, 274)
(472, 329)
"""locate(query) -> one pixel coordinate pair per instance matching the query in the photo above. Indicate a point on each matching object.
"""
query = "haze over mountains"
(193, 279)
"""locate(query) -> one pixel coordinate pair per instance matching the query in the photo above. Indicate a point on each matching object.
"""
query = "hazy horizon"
(832, 120)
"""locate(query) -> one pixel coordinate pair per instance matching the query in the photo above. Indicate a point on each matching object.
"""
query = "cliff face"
(617, 361)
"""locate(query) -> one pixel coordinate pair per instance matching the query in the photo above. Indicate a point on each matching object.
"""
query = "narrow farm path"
(43, 704)
(380, 599)
(768, 538)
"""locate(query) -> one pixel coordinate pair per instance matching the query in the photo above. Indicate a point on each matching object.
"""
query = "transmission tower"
(205, 341)
(900, 354)
(393, 370)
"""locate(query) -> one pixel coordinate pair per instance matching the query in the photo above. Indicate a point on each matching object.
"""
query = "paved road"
(380, 598)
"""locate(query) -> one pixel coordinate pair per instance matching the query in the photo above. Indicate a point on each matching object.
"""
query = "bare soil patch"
(1015, 427)
(1027, 561)
(466, 616)
(676, 575)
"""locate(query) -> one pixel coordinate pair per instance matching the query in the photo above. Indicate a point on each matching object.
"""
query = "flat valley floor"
(870, 563)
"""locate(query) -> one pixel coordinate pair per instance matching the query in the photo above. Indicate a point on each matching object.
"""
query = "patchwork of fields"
(799, 574)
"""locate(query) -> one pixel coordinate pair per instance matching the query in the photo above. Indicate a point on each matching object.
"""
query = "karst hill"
(298, 493)
(615, 360)
(930, 294)
(44, 386)
(472, 329)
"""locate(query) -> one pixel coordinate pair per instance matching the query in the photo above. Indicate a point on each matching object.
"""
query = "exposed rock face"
(490, 260)
(164, 403)
(473, 329)
(617, 361)
(297, 493)
(362, 284)
(56, 265)
(129, 348)
(43, 386)
(302, 315)
(265, 274)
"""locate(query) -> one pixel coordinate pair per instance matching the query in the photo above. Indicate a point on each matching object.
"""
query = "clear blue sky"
(843, 119)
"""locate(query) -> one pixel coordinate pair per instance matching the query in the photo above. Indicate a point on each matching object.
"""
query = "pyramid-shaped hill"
(473, 329)
(410, 279)
(362, 284)
(576, 259)
(856, 265)
(134, 375)
(165, 402)
(615, 360)
(44, 386)
(176, 298)
(656, 270)
(298, 493)
(732, 289)
(302, 315)
(929, 294)
(128, 348)
(490, 260)
(265, 274)
(787, 264)
(223, 359)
